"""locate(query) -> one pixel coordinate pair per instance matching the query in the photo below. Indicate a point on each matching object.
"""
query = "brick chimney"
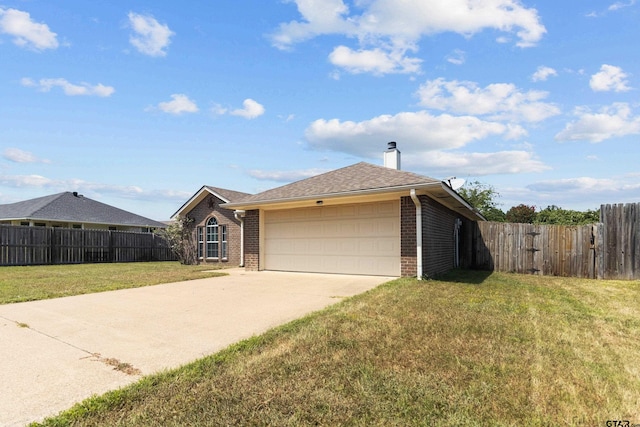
(392, 156)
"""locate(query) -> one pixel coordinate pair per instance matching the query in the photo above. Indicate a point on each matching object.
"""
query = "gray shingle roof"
(230, 195)
(358, 177)
(70, 207)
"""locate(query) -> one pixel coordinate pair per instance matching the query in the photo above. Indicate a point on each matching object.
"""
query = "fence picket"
(23, 245)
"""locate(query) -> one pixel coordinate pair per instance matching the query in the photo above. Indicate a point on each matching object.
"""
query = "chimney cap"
(391, 145)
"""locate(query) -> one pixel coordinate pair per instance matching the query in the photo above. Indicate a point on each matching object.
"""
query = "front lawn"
(18, 284)
(471, 350)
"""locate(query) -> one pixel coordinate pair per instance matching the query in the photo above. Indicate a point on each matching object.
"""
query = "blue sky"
(139, 104)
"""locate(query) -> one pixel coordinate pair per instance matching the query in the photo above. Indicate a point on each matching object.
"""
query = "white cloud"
(219, 109)
(543, 73)
(574, 191)
(149, 37)
(387, 29)
(25, 32)
(319, 17)
(88, 187)
(610, 122)
(375, 61)
(45, 85)
(419, 132)
(25, 181)
(457, 57)
(251, 109)
(610, 78)
(285, 176)
(477, 164)
(179, 104)
(584, 184)
(621, 5)
(17, 155)
(500, 101)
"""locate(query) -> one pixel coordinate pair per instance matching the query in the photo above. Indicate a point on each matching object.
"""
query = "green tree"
(483, 197)
(181, 240)
(556, 215)
(522, 213)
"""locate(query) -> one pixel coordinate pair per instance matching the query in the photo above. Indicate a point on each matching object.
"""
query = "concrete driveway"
(57, 352)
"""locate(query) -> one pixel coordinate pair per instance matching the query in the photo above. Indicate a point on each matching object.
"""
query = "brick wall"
(201, 213)
(408, 263)
(437, 229)
(252, 240)
(438, 245)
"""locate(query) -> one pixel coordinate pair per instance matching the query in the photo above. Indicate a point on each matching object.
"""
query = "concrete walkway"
(57, 352)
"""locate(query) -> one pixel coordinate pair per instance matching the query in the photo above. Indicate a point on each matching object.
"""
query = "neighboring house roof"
(73, 207)
(362, 180)
(221, 193)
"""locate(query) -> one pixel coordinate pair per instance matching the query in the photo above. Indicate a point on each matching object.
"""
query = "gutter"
(239, 215)
(454, 195)
(416, 201)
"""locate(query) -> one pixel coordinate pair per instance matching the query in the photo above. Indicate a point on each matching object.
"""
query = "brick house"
(217, 231)
(361, 219)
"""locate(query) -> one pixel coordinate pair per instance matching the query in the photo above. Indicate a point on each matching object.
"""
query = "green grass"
(18, 284)
(470, 350)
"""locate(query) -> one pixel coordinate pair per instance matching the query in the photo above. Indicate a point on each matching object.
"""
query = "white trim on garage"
(361, 238)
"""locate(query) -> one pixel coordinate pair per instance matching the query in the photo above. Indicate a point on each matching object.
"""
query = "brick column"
(408, 261)
(252, 240)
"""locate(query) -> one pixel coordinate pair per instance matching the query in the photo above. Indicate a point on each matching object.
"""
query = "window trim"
(218, 247)
(200, 242)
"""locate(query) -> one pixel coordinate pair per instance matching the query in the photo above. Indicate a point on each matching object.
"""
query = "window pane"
(223, 234)
(213, 238)
(212, 250)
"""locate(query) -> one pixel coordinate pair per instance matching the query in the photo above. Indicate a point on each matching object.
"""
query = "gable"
(222, 195)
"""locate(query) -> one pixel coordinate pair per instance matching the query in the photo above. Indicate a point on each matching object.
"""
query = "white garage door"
(348, 239)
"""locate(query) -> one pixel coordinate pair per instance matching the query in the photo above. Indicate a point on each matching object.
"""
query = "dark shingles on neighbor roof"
(358, 177)
(71, 207)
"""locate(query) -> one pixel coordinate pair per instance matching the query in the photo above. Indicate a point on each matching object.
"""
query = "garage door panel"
(351, 239)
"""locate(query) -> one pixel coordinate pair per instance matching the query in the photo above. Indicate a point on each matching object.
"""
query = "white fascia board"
(195, 199)
(461, 200)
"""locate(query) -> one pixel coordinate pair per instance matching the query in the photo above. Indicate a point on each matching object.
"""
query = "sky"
(140, 104)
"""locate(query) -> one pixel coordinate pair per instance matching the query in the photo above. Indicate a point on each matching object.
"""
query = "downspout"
(416, 201)
(240, 217)
(456, 242)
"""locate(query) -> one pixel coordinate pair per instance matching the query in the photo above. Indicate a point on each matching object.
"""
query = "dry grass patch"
(18, 284)
(469, 350)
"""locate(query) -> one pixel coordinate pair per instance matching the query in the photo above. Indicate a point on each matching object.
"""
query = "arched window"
(216, 243)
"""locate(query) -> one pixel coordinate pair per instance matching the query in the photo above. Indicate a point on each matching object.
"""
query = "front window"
(216, 244)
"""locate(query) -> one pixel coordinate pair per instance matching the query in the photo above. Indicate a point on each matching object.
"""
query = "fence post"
(52, 245)
(111, 250)
(598, 250)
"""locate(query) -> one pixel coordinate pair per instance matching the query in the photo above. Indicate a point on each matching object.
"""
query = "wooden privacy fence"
(607, 250)
(21, 245)
(620, 241)
(550, 250)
